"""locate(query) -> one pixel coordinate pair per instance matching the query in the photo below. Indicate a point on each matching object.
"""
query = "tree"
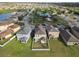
(20, 17)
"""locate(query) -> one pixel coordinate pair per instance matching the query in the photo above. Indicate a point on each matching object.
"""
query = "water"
(5, 16)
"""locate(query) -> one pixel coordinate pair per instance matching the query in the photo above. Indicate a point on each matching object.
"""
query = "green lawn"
(6, 11)
(15, 48)
(3, 41)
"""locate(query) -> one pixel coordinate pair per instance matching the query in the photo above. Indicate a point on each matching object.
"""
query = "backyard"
(15, 48)
(3, 41)
(39, 45)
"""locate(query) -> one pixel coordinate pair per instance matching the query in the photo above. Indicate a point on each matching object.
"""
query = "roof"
(6, 22)
(25, 30)
(40, 30)
(13, 26)
(50, 28)
(68, 36)
(6, 32)
(76, 29)
(44, 14)
(48, 19)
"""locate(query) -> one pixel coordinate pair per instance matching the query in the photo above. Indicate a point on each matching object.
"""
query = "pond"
(5, 16)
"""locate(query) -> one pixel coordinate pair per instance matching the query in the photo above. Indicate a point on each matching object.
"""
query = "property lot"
(3, 41)
(39, 45)
(15, 48)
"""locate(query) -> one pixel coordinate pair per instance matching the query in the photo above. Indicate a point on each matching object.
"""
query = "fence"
(7, 41)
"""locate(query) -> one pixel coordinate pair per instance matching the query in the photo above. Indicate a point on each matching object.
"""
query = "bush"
(20, 18)
(59, 20)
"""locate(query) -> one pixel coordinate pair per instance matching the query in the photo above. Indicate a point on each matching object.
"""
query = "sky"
(39, 0)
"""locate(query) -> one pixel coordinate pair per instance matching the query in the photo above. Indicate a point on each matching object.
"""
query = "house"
(24, 34)
(40, 33)
(68, 38)
(19, 14)
(48, 19)
(75, 31)
(8, 28)
(15, 18)
(5, 24)
(40, 41)
(53, 32)
(14, 27)
(43, 14)
(6, 34)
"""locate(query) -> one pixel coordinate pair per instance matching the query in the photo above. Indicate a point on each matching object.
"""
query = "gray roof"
(52, 29)
(25, 30)
(76, 29)
(68, 37)
(40, 30)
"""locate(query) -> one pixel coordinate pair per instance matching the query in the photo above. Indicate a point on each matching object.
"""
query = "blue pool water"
(5, 16)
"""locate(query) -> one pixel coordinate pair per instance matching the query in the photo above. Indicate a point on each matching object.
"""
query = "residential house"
(20, 14)
(40, 33)
(75, 31)
(6, 34)
(40, 41)
(24, 34)
(68, 38)
(43, 14)
(48, 19)
(14, 17)
(14, 27)
(53, 32)
(8, 28)
(5, 24)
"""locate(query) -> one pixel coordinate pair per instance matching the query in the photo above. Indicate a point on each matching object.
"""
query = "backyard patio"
(42, 44)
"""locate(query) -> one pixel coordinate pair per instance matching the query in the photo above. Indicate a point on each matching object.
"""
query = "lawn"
(39, 45)
(5, 11)
(3, 41)
(15, 48)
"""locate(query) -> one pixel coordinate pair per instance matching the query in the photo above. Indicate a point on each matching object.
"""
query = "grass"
(15, 48)
(5, 11)
(39, 45)
(58, 20)
(3, 41)
(59, 49)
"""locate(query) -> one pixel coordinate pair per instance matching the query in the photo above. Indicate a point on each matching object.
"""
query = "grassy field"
(6, 11)
(15, 48)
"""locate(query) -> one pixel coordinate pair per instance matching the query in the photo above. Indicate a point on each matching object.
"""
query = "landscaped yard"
(15, 48)
(39, 45)
(6, 11)
(3, 41)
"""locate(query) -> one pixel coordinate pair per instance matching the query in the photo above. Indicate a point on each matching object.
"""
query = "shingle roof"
(6, 22)
(68, 36)
(52, 29)
(6, 32)
(40, 30)
(75, 28)
(25, 30)
(13, 26)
